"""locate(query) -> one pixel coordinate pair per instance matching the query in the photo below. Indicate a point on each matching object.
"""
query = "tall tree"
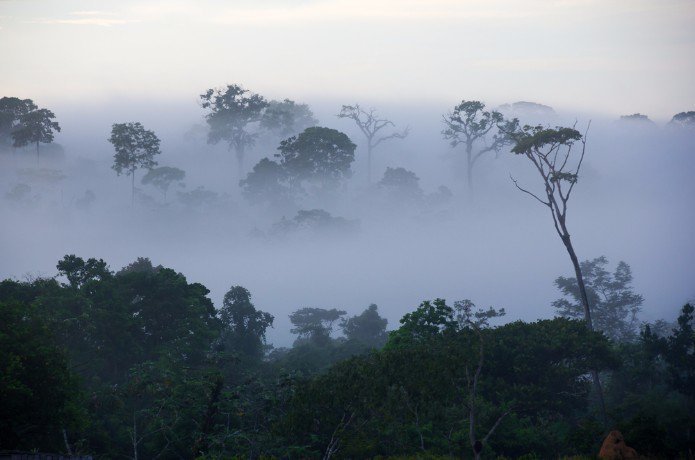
(11, 111)
(368, 327)
(315, 324)
(372, 127)
(614, 305)
(287, 118)
(318, 155)
(163, 177)
(243, 325)
(231, 111)
(135, 148)
(471, 125)
(267, 182)
(550, 151)
(35, 127)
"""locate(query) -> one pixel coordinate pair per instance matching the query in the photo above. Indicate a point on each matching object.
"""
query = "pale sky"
(610, 56)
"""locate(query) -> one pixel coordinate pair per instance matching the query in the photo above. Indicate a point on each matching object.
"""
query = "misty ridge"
(397, 222)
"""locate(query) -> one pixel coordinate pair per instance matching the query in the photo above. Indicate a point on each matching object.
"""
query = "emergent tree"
(470, 124)
(550, 152)
(11, 110)
(318, 155)
(370, 124)
(163, 177)
(230, 112)
(35, 127)
(135, 148)
(287, 118)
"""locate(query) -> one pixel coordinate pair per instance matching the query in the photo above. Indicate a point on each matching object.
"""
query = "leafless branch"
(530, 193)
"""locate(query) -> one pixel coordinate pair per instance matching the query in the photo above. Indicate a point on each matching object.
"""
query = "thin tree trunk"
(587, 318)
(135, 438)
(240, 164)
(132, 190)
(67, 444)
(37, 154)
(469, 168)
(369, 163)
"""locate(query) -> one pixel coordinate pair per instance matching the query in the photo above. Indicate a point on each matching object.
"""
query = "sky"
(615, 57)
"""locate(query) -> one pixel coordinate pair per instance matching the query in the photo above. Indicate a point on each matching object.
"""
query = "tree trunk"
(369, 163)
(240, 164)
(37, 154)
(587, 318)
(580, 280)
(469, 167)
(132, 189)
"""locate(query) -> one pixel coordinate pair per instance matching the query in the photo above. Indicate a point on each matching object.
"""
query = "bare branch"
(494, 427)
(526, 191)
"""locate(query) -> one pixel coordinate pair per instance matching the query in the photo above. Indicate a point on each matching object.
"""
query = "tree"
(230, 112)
(243, 325)
(470, 124)
(614, 306)
(678, 351)
(318, 155)
(11, 111)
(39, 395)
(315, 324)
(683, 120)
(370, 125)
(35, 127)
(287, 118)
(135, 148)
(267, 183)
(550, 151)
(368, 327)
(163, 177)
(401, 184)
(637, 119)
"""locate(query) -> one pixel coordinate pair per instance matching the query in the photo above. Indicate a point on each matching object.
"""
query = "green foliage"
(401, 184)
(138, 363)
(428, 320)
(231, 111)
(368, 328)
(614, 306)
(318, 155)
(163, 177)
(286, 118)
(135, 147)
(39, 396)
(316, 222)
(532, 139)
(12, 109)
(413, 398)
(315, 324)
(35, 126)
(683, 120)
(267, 183)
(243, 326)
(470, 124)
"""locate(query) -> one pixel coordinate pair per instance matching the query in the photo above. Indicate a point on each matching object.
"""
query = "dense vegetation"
(138, 363)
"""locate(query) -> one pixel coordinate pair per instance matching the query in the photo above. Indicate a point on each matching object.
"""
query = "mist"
(494, 245)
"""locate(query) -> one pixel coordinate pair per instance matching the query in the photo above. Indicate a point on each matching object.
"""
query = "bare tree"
(370, 124)
(551, 153)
